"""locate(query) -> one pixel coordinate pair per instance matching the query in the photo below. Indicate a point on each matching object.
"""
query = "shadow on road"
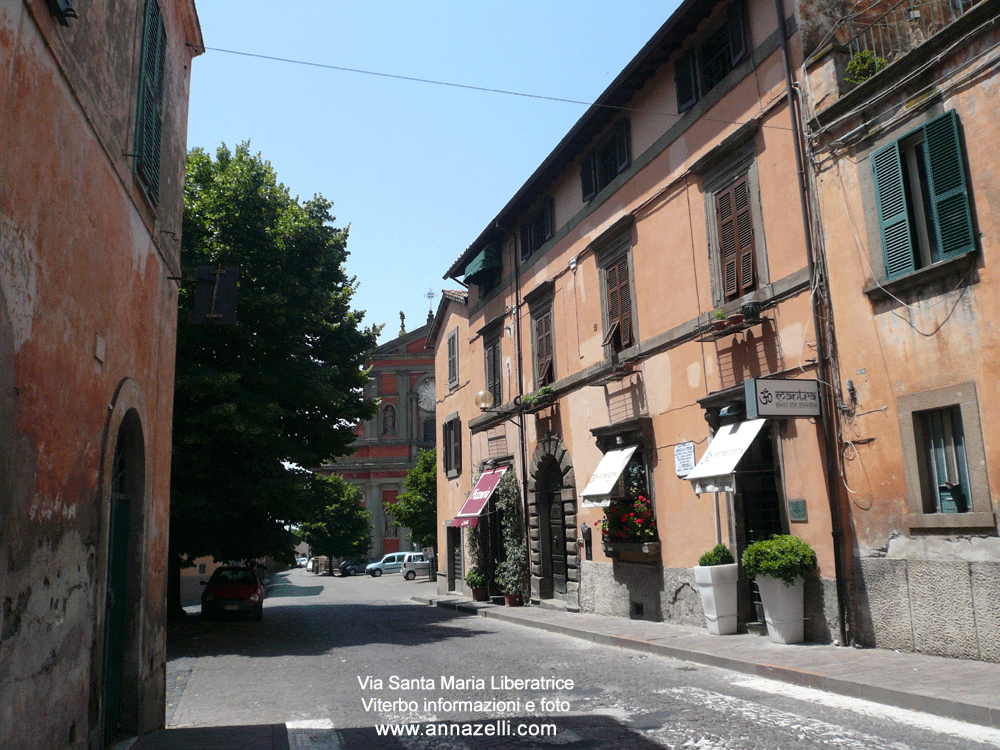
(313, 629)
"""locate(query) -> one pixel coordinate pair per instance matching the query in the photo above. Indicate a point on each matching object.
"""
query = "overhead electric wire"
(451, 84)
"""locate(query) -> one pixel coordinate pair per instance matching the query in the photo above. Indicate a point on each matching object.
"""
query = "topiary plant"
(718, 555)
(781, 556)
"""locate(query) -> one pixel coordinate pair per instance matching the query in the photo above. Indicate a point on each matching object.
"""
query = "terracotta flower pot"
(479, 594)
(735, 319)
(512, 600)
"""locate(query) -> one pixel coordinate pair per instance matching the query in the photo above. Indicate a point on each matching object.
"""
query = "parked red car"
(233, 591)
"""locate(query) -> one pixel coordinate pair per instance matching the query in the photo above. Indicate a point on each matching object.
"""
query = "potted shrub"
(475, 579)
(779, 565)
(716, 574)
(721, 323)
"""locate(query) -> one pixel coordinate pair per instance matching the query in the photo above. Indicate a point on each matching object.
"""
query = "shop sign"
(781, 397)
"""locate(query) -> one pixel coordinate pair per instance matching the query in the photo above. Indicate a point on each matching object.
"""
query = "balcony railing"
(890, 34)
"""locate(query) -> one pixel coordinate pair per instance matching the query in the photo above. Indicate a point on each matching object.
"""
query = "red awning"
(480, 495)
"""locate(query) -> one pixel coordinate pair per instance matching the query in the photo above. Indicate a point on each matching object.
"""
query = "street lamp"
(484, 400)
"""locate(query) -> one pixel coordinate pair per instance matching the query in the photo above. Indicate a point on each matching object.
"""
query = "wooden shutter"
(621, 145)
(620, 301)
(686, 81)
(149, 115)
(543, 348)
(456, 437)
(949, 195)
(588, 177)
(452, 359)
(493, 370)
(736, 241)
(446, 446)
(737, 35)
(893, 219)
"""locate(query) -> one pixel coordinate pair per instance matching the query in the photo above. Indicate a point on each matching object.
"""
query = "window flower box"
(644, 553)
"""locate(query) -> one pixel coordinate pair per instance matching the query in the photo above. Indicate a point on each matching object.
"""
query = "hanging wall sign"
(781, 397)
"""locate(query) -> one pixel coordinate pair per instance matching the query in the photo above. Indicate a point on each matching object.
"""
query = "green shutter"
(893, 219)
(686, 81)
(949, 195)
(588, 177)
(149, 115)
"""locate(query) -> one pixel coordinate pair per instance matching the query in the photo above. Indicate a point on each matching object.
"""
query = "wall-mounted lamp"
(484, 400)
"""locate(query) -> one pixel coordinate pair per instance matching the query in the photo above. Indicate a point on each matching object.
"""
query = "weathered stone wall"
(641, 592)
(941, 607)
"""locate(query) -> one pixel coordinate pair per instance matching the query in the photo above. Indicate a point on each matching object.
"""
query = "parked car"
(309, 564)
(232, 590)
(302, 561)
(413, 563)
(391, 563)
(353, 566)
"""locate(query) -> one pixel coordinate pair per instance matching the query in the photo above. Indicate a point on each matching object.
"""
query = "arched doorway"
(125, 511)
(555, 566)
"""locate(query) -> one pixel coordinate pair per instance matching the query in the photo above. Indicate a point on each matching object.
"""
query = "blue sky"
(417, 170)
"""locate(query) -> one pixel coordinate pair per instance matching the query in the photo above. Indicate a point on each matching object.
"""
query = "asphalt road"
(341, 660)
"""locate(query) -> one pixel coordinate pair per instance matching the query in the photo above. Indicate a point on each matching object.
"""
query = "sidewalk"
(954, 688)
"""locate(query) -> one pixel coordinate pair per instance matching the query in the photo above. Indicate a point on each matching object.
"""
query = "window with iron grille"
(149, 115)
(922, 198)
(609, 158)
(699, 70)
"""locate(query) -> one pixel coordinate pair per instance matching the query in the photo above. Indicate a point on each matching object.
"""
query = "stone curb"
(982, 715)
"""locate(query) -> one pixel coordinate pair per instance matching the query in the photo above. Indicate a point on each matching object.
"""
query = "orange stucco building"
(93, 137)
(695, 190)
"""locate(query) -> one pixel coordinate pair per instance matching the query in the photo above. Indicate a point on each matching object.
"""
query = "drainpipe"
(829, 428)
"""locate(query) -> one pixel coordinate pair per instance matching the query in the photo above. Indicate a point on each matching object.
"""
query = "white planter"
(717, 587)
(783, 609)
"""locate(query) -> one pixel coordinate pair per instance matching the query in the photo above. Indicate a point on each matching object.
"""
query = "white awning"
(597, 493)
(714, 473)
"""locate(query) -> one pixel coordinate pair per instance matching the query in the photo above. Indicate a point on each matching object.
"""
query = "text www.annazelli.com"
(498, 728)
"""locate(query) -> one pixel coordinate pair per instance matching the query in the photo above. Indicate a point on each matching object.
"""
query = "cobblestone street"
(354, 663)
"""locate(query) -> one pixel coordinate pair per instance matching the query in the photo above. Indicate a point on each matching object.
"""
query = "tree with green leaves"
(280, 389)
(343, 527)
(416, 509)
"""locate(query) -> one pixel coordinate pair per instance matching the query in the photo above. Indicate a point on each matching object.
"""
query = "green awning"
(487, 260)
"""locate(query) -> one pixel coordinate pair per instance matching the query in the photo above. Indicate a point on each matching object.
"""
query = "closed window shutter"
(625, 298)
(493, 371)
(949, 195)
(620, 302)
(728, 246)
(149, 116)
(893, 220)
(457, 443)
(588, 177)
(744, 236)
(543, 348)
(452, 359)
(737, 37)
(686, 81)
(446, 446)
